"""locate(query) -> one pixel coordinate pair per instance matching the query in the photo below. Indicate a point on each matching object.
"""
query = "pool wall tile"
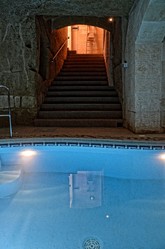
(88, 143)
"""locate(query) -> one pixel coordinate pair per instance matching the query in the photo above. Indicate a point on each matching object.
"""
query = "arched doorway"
(88, 35)
(87, 39)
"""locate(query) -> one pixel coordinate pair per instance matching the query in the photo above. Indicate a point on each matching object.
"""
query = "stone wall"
(107, 56)
(26, 52)
(58, 38)
(44, 55)
(117, 57)
(25, 48)
(48, 42)
(148, 87)
(148, 69)
(162, 104)
(134, 22)
(18, 66)
(143, 77)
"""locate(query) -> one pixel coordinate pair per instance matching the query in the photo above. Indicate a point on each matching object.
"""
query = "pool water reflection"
(68, 202)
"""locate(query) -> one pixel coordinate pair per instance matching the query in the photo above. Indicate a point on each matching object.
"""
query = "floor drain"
(91, 243)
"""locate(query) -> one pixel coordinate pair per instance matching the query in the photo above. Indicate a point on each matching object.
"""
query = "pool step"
(10, 182)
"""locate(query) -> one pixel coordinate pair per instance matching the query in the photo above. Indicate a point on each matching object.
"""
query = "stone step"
(83, 63)
(85, 57)
(80, 96)
(80, 114)
(79, 82)
(77, 106)
(81, 93)
(82, 73)
(84, 69)
(79, 99)
(82, 77)
(78, 122)
(70, 52)
(80, 88)
(78, 66)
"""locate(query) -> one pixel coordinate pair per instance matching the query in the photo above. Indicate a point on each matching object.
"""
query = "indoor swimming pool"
(72, 194)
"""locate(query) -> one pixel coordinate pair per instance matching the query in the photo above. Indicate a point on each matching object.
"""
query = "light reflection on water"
(39, 215)
(61, 209)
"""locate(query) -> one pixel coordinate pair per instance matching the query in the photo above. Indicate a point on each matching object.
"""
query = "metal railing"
(6, 112)
(54, 57)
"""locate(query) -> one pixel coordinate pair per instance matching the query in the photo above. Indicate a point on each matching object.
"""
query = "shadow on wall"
(49, 41)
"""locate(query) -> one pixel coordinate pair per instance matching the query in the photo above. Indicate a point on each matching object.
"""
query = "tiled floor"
(100, 133)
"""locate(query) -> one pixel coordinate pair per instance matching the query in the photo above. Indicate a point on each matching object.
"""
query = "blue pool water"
(76, 196)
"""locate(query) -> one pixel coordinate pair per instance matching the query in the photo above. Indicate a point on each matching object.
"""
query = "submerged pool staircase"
(10, 181)
(80, 96)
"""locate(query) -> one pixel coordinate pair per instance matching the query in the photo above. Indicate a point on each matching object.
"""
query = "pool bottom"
(131, 214)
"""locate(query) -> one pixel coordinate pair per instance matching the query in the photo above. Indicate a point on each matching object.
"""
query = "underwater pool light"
(162, 156)
(28, 153)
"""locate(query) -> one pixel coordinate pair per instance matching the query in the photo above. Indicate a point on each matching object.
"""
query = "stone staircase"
(80, 96)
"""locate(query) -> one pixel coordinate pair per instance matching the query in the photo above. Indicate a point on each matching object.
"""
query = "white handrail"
(59, 49)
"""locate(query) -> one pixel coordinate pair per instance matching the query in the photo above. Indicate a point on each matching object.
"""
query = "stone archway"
(62, 21)
(113, 60)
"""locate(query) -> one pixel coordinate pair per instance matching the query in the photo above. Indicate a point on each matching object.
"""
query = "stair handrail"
(60, 48)
(9, 108)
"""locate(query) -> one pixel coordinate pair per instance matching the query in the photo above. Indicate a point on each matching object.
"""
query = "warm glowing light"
(162, 156)
(28, 153)
(110, 19)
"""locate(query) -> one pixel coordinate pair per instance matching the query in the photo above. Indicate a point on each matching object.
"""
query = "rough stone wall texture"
(135, 19)
(67, 7)
(107, 56)
(143, 78)
(24, 41)
(163, 87)
(48, 42)
(20, 67)
(148, 86)
(18, 64)
(44, 55)
(58, 38)
(117, 57)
